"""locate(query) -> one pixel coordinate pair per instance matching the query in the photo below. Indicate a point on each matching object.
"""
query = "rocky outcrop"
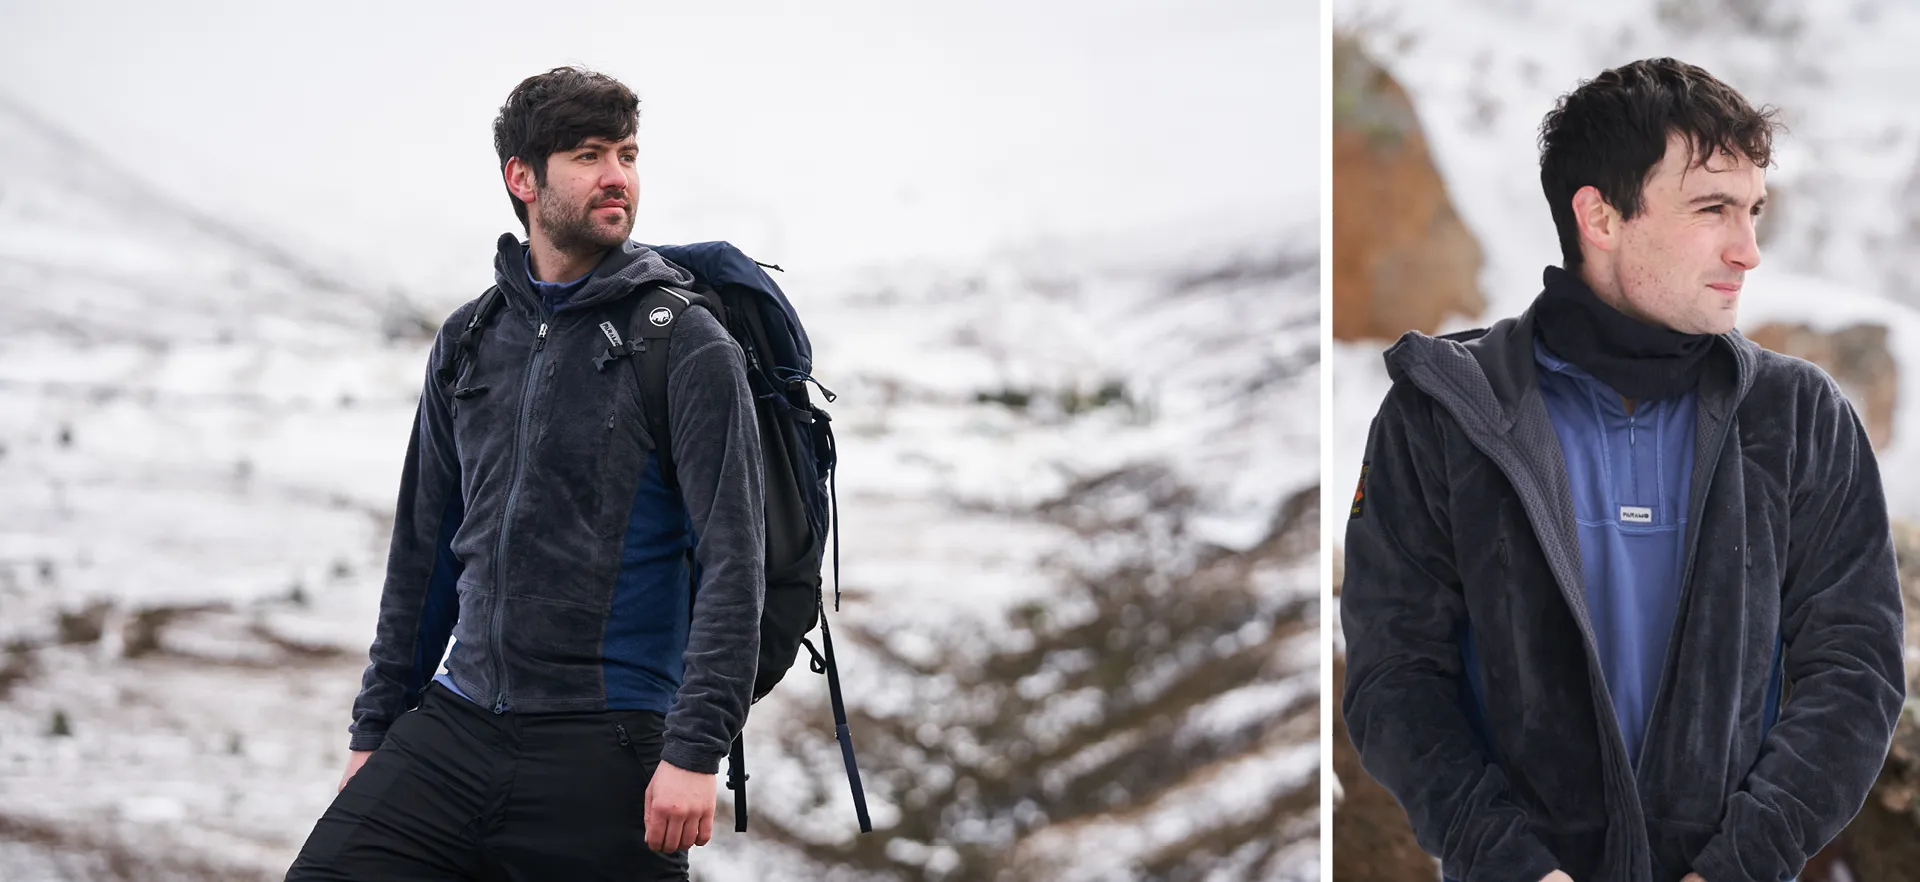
(1856, 356)
(1402, 260)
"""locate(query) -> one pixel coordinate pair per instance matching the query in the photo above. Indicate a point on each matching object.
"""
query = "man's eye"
(1714, 209)
(586, 155)
(627, 158)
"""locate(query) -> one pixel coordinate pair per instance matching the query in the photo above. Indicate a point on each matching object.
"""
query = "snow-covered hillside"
(1845, 197)
(200, 438)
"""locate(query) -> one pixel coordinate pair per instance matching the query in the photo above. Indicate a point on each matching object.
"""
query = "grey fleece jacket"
(1464, 528)
(533, 526)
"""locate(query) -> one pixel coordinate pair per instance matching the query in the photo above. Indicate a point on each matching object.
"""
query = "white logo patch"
(660, 316)
(613, 336)
(1634, 514)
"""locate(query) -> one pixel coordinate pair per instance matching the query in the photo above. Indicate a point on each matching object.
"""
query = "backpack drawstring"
(790, 375)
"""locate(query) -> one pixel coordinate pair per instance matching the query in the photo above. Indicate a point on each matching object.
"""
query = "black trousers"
(459, 793)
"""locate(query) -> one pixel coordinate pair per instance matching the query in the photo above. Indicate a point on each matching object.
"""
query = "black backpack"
(796, 445)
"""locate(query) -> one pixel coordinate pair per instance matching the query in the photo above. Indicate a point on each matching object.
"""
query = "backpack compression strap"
(840, 730)
(822, 664)
(737, 781)
(825, 664)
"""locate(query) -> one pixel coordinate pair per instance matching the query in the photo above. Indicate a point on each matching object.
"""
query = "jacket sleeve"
(419, 601)
(1401, 609)
(716, 451)
(1843, 635)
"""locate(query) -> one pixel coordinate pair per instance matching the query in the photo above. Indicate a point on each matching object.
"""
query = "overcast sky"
(833, 134)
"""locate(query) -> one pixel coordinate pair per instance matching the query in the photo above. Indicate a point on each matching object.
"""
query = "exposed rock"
(1858, 359)
(1402, 259)
(1114, 790)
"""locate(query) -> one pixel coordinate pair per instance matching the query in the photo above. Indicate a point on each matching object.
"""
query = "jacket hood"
(621, 271)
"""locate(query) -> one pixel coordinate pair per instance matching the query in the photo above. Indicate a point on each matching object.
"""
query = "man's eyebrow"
(604, 144)
(1724, 197)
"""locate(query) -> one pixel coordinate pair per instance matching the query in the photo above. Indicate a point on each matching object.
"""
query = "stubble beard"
(576, 231)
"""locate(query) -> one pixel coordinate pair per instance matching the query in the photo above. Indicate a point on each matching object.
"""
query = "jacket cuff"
(1518, 857)
(367, 740)
(1535, 862)
(1750, 845)
(690, 757)
(1720, 861)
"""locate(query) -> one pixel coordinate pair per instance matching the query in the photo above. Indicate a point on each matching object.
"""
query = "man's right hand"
(355, 759)
(1556, 876)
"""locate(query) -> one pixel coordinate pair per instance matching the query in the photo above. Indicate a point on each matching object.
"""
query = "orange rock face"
(1856, 356)
(1402, 259)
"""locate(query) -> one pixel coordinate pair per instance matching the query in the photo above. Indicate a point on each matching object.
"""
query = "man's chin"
(614, 235)
(1720, 321)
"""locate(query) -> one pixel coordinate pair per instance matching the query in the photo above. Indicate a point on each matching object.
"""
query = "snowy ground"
(200, 438)
(1846, 192)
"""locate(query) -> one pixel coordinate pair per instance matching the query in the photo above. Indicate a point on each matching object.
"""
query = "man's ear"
(1599, 222)
(520, 180)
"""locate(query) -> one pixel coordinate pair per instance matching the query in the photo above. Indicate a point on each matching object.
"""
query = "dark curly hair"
(557, 110)
(1611, 131)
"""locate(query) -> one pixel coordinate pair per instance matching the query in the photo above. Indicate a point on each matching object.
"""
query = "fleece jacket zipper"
(517, 473)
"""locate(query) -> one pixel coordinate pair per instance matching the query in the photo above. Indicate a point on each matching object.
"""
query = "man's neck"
(549, 264)
(1606, 286)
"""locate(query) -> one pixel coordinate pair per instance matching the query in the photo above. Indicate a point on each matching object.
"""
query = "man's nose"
(1744, 252)
(613, 176)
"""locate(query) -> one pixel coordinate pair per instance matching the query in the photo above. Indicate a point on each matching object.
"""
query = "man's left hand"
(1693, 877)
(680, 808)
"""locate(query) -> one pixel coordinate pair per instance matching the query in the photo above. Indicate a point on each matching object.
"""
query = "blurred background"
(1059, 260)
(1439, 225)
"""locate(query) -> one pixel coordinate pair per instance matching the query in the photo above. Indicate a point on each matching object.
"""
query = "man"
(1620, 598)
(591, 690)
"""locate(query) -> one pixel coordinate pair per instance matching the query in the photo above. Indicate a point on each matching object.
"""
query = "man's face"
(1681, 261)
(587, 203)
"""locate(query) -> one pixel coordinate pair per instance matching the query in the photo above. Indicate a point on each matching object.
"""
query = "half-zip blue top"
(1630, 474)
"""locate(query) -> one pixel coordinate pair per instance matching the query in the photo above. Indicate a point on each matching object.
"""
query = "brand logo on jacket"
(613, 336)
(660, 316)
(1634, 514)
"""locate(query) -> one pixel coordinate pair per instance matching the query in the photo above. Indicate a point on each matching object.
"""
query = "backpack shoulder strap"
(450, 359)
(651, 324)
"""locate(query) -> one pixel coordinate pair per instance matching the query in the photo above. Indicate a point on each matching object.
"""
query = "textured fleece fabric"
(533, 527)
(1469, 522)
(555, 296)
(1628, 473)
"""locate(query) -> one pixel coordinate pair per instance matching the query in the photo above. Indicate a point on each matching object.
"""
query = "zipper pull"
(540, 341)
(623, 734)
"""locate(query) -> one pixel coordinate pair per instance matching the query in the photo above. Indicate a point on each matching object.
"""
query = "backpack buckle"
(635, 345)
